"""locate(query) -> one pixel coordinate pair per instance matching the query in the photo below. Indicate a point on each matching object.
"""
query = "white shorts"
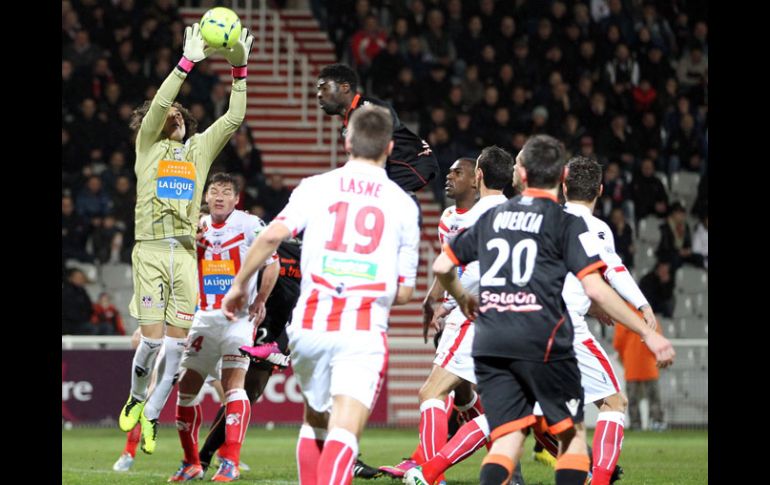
(213, 337)
(329, 364)
(596, 373)
(454, 348)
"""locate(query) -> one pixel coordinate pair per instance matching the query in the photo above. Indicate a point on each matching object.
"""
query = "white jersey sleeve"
(408, 252)
(295, 215)
(616, 274)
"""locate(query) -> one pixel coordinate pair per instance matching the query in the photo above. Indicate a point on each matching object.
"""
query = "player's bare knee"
(616, 402)
(190, 382)
(233, 379)
(316, 419)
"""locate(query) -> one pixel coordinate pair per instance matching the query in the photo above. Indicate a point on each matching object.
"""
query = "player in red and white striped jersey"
(359, 256)
(225, 238)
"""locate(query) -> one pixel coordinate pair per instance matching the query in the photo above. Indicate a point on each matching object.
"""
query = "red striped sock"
(433, 427)
(237, 416)
(132, 439)
(470, 437)
(188, 422)
(608, 440)
(309, 448)
(335, 466)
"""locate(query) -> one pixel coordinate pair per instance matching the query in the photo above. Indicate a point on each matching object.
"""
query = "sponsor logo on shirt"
(217, 276)
(349, 267)
(521, 301)
(176, 180)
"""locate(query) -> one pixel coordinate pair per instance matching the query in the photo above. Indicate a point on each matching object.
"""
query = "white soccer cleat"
(414, 476)
(124, 463)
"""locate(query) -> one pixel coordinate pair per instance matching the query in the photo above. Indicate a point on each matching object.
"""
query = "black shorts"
(509, 389)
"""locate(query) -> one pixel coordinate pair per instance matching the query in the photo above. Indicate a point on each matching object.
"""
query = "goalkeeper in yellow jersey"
(172, 164)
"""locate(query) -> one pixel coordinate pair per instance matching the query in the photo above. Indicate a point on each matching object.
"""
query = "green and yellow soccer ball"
(220, 27)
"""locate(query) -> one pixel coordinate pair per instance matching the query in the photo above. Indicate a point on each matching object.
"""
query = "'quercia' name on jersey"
(518, 221)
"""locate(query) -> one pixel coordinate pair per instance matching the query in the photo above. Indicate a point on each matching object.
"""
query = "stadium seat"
(693, 328)
(644, 259)
(683, 307)
(117, 276)
(701, 305)
(649, 230)
(669, 327)
(691, 280)
(664, 180)
(695, 384)
(683, 182)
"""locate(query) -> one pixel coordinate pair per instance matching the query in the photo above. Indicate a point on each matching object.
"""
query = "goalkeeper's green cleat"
(130, 413)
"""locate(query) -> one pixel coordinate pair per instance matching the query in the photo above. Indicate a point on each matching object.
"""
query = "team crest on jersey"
(147, 301)
(176, 180)
(217, 276)
(216, 247)
(178, 153)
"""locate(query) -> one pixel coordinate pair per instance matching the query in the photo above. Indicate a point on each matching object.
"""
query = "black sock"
(493, 474)
(215, 438)
(569, 476)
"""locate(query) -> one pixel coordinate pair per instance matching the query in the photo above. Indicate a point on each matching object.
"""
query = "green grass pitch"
(672, 457)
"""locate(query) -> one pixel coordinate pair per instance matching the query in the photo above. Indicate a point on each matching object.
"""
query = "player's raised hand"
(469, 305)
(661, 348)
(194, 47)
(233, 302)
(238, 55)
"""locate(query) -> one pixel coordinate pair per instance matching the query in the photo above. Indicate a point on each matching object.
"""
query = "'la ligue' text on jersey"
(221, 250)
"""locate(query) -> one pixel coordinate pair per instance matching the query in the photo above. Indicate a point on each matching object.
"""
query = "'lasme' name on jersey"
(360, 187)
(518, 221)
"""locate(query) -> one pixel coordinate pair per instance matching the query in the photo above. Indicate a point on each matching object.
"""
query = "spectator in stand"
(74, 232)
(472, 41)
(692, 68)
(623, 236)
(436, 42)
(649, 137)
(648, 193)
(683, 144)
(106, 318)
(92, 202)
(615, 192)
(117, 168)
(107, 240)
(366, 44)
(406, 97)
(473, 89)
(658, 287)
(242, 156)
(618, 143)
(385, 69)
(700, 241)
(273, 197)
(675, 245)
(82, 53)
(75, 304)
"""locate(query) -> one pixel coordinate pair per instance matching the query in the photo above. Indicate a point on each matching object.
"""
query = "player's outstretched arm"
(269, 278)
(214, 138)
(194, 50)
(261, 249)
(615, 307)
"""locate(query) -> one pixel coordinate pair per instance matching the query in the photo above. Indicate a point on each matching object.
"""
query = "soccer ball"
(220, 27)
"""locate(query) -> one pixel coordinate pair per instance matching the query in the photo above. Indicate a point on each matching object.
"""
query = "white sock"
(144, 361)
(168, 372)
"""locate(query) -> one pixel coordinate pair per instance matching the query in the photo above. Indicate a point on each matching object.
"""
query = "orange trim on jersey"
(540, 194)
(512, 426)
(590, 269)
(550, 339)
(310, 308)
(353, 105)
(561, 426)
(448, 251)
(498, 459)
(573, 461)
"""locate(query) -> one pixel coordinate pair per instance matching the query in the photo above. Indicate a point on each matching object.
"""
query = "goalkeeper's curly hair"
(190, 123)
